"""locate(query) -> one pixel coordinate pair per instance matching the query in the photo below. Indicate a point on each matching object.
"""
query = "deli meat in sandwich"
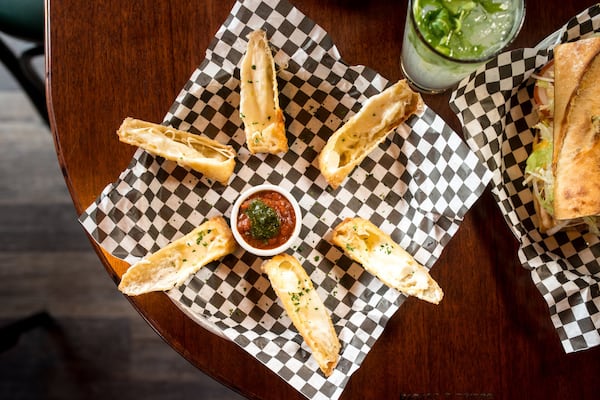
(564, 166)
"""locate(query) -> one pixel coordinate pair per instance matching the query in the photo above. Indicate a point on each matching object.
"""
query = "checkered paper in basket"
(496, 109)
(416, 186)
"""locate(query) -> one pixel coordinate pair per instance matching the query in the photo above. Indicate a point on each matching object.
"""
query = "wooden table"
(491, 337)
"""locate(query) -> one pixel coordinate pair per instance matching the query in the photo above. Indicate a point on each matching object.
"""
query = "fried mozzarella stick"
(365, 130)
(211, 158)
(259, 98)
(366, 244)
(306, 310)
(173, 264)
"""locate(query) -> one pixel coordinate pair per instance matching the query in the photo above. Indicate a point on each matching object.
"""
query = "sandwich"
(563, 169)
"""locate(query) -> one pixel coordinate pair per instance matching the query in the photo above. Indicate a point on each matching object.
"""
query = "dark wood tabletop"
(490, 338)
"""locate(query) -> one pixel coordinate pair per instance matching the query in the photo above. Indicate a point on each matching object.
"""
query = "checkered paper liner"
(416, 186)
(495, 107)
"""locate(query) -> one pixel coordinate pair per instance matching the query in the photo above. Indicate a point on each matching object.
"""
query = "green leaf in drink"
(460, 28)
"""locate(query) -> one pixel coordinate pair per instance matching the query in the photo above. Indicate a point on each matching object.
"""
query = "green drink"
(445, 40)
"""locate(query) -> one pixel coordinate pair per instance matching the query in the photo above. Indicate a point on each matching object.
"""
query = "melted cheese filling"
(304, 307)
(396, 268)
(258, 102)
(174, 263)
(171, 143)
(381, 256)
(304, 302)
(370, 125)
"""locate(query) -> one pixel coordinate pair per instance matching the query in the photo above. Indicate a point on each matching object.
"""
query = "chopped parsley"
(264, 221)
(200, 238)
(296, 297)
(386, 248)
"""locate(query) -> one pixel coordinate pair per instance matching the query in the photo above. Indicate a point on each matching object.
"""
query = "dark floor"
(100, 348)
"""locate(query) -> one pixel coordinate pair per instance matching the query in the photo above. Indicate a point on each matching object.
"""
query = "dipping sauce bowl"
(266, 220)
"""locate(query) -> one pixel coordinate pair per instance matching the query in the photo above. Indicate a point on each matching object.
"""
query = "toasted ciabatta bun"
(571, 60)
(366, 244)
(294, 288)
(259, 98)
(576, 153)
(211, 158)
(365, 130)
(170, 266)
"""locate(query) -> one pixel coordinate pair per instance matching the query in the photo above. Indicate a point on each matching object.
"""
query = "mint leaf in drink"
(463, 29)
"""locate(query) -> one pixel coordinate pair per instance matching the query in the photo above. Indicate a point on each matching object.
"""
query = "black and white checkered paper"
(416, 186)
(496, 109)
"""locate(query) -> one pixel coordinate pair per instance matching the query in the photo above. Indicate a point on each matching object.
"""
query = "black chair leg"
(21, 68)
(10, 334)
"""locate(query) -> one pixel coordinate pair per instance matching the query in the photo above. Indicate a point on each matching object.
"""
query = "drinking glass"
(446, 40)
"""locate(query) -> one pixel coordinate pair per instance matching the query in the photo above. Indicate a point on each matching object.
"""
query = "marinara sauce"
(266, 220)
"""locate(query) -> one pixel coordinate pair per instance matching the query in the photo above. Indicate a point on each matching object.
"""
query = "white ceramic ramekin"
(236, 210)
